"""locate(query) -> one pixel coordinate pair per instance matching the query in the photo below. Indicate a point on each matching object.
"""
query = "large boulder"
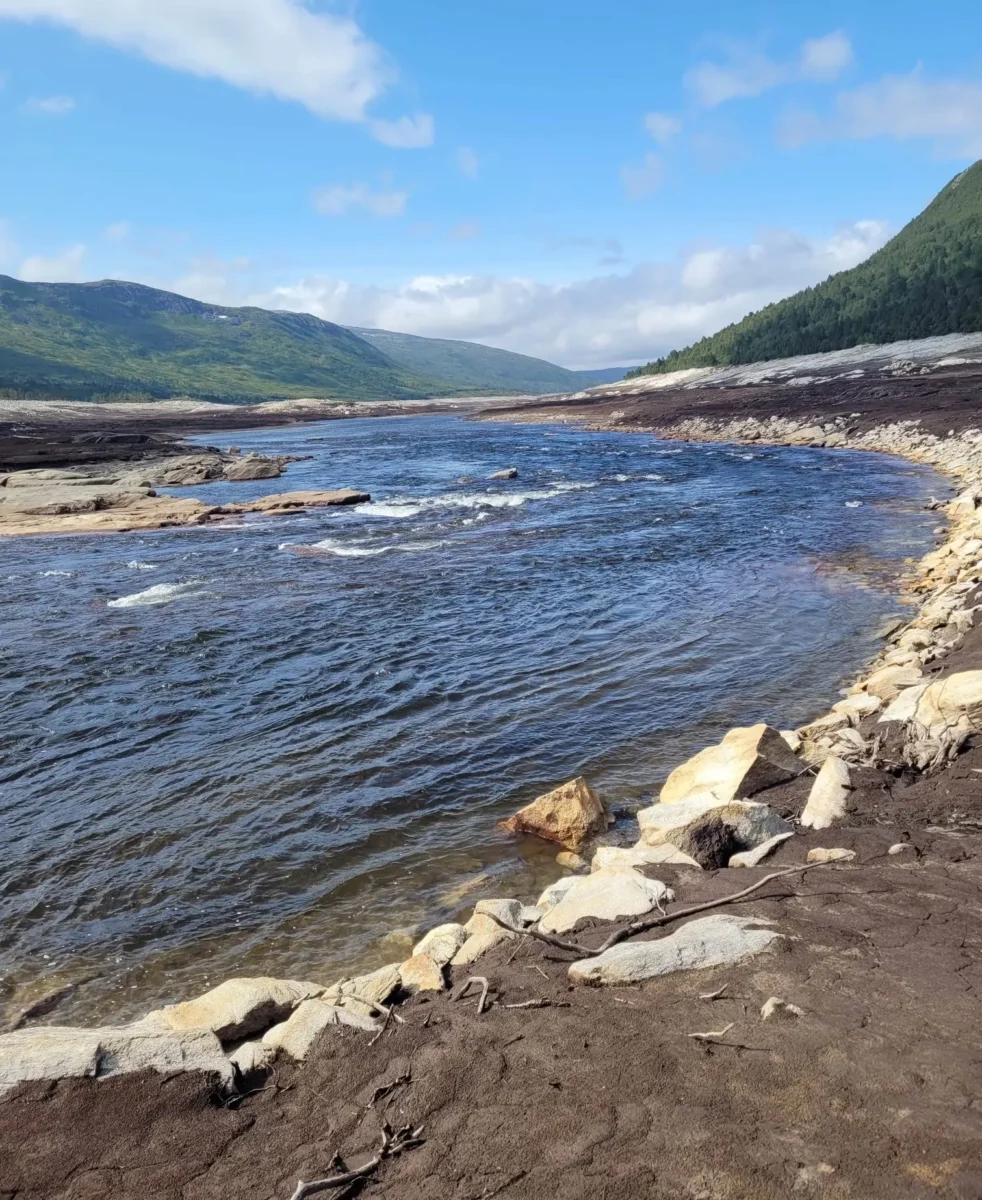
(442, 943)
(714, 941)
(236, 1007)
(954, 700)
(483, 934)
(253, 467)
(745, 762)
(605, 896)
(889, 682)
(364, 993)
(300, 1030)
(829, 795)
(60, 1052)
(709, 830)
(569, 814)
(421, 973)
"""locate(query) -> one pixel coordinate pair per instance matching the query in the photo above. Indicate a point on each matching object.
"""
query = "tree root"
(393, 1144)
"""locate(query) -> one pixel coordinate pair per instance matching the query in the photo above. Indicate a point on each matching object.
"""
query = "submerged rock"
(714, 941)
(568, 814)
(605, 896)
(745, 762)
(507, 473)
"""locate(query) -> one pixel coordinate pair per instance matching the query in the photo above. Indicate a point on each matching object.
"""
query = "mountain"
(924, 282)
(85, 340)
(468, 365)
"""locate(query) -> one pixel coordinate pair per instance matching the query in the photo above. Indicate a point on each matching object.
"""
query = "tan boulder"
(365, 993)
(236, 1007)
(253, 467)
(605, 896)
(746, 761)
(954, 700)
(626, 858)
(297, 1034)
(569, 815)
(483, 934)
(421, 973)
(829, 794)
(442, 943)
(889, 682)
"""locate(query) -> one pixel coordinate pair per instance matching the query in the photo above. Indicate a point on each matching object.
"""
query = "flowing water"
(260, 748)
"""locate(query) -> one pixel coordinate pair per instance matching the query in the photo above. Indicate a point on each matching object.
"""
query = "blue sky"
(594, 183)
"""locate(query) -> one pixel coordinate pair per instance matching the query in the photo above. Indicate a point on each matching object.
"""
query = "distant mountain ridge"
(925, 282)
(85, 340)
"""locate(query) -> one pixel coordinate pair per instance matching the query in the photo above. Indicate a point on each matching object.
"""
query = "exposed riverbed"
(260, 748)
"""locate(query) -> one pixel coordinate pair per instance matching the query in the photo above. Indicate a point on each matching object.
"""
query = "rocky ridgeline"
(711, 814)
(123, 497)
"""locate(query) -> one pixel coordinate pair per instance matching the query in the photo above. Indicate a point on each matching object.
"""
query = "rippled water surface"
(261, 748)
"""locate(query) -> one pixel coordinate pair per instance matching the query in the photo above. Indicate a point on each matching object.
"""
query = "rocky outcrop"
(507, 473)
(569, 814)
(714, 941)
(709, 830)
(952, 701)
(606, 895)
(745, 762)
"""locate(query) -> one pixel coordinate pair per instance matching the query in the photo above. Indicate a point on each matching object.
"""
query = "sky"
(591, 183)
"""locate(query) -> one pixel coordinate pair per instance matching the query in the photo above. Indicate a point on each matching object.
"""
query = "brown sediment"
(872, 1093)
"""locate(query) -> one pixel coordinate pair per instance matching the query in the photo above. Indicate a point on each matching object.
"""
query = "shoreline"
(915, 653)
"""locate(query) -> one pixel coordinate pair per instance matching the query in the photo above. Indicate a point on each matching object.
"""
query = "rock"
(421, 973)
(569, 815)
(830, 791)
(442, 943)
(60, 1052)
(955, 699)
(605, 896)
(899, 847)
(793, 739)
(915, 639)
(509, 911)
(708, 830)
(858, 706)
(889, 682)
(819, 854)
(620, 858)
(363, 994)
(532, 914)
(745, 762)
(253, 467)
(236, 1007)
(507, 473)
(714, 941)
(252, 1056)
(822, 725)
(572, 862)
(776, 1007)
(296, 1035)
(483, 935)
(750, 858)
(291, 501)
(554, 893)
(903, 707)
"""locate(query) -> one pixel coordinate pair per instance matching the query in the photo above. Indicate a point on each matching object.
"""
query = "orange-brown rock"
(569, 815)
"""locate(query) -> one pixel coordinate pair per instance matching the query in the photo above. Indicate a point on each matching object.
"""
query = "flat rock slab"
(712, 941)
(605, 895)
(237, 1007)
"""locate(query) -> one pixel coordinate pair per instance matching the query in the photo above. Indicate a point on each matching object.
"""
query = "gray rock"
(714, 941)
(606, 896)
(442, 943)
(708, 830)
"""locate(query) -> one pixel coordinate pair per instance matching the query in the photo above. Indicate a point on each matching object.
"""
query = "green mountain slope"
(468, 365)
(924, 282)
(84, 339)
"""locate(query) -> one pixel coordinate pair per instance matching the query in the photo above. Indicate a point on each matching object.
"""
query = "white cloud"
(408, 133)
(662, 126)
(747, 71)
(51, 106)
(642, 181)
(902, 107)
(468, 162)
(607, 320)
(465, 231)
(824, 59)
(62, 268)
(118, 231)
(339, 198)
(271, 47)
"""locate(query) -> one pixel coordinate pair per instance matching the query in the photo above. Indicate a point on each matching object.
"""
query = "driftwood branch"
(645, 923)
(392, 1145)
(464, 987)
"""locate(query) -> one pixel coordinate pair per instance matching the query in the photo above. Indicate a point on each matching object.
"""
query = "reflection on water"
(263, 747)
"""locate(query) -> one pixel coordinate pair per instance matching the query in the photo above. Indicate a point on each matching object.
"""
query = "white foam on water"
(854, 504)
(161, 593)
(49, 574)
(354, 550)
(412, 507)
(136, 565)
(654, 478)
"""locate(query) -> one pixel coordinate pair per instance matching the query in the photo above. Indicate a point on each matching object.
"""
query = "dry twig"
(387, 1088)
(714, 995)
(540, 1004)
(712, 1035)
(462, 991)
(392, 1145)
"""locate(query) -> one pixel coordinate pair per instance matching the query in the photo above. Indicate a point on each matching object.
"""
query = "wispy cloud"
(948, 113)
(279, 48)
(407, 133)
(61, 268)
(465, 231)
(467, 162)
(662, 126)
(748, 71)
(118, 231)
(642, 181)
(49, 106)
(339, 199)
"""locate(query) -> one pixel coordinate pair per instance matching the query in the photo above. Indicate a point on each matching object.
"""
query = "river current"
(261, 748)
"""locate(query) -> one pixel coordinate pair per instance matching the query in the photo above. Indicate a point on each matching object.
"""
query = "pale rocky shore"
(772, 991)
